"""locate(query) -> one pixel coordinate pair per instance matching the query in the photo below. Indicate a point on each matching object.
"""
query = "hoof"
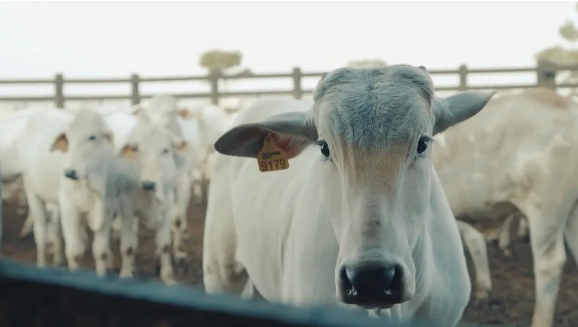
(507, 253)
(169, 279)
(480, 297)
(126, 274)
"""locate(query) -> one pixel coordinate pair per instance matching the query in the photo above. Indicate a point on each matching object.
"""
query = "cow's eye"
(92, 138)
(165, 151)
(422, 144)
(324, 148)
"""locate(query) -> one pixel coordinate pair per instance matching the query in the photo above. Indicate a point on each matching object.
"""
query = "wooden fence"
(546, 73)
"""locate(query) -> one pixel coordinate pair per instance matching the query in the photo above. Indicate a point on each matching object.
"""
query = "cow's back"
(488, 157)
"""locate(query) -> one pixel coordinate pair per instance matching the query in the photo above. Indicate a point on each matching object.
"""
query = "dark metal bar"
(48, 298)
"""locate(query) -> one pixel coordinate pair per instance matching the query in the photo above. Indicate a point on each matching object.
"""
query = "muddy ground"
(511, 301)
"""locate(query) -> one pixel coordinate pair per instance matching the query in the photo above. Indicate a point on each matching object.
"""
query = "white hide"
(203, 127)
(147, 152)
(43, 172)
(161, 110)
(12, 125)
(278, 233)
(517, 156)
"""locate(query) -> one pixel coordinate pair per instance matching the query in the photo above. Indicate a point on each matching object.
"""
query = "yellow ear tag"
(271, 157)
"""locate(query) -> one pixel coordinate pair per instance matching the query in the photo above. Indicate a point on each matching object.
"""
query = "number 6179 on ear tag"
(271, 157)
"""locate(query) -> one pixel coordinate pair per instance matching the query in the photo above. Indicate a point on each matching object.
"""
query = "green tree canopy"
(564, 55)
(220, 60)
(366, 63)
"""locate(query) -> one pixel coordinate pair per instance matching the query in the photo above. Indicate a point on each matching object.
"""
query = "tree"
(220, 60)
(564, 55)
(366, 63)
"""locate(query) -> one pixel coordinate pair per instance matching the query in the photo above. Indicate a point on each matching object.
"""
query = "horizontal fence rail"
(42, 297)
(32, 297)
(546, 73)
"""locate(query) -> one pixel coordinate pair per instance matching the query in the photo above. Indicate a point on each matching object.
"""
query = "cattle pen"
(48, 297)
(547, 75)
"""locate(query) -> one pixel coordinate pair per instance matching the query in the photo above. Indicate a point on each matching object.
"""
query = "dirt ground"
(511, 301)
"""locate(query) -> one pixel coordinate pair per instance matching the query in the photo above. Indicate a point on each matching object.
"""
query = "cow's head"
(89, 143)
(155, 151)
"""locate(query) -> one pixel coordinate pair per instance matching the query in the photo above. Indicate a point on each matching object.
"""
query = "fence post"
(213, 77)
(135, 95)
(297, 91)
(546, 74)
(58, 91)
(463, 71)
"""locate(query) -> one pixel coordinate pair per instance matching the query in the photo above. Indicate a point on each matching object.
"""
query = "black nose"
(148, 186)
(371, 285)
(71, 173)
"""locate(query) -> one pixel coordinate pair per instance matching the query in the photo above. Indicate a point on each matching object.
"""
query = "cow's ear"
(458, 108)
(60, 144)
(129, 151)
(292, 132)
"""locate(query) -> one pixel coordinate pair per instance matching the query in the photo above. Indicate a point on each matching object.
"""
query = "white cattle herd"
(101, 168)
(350, 199)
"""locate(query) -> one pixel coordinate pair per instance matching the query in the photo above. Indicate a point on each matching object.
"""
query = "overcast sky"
(82, 39)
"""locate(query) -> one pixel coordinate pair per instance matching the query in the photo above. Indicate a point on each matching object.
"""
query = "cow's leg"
(523, 232)
(21, 198)
(504, 236)
(163, 242)
(197, 177)
(222, 277)
(28, 225)
(179, 219)
(128, 237)
(116, 228)
(74, 243)
(571, 232)
(101, 243)
(547, 240)
(55, 237)
(221, 271)
(476, 245)
(37, 211)
(207, 176)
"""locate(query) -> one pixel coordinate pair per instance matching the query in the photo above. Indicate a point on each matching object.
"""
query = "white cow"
(149, 153)
(162, 110)
(204, 125)
(520, 154)
(66, 159)
(13, 125)
(360, 217)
